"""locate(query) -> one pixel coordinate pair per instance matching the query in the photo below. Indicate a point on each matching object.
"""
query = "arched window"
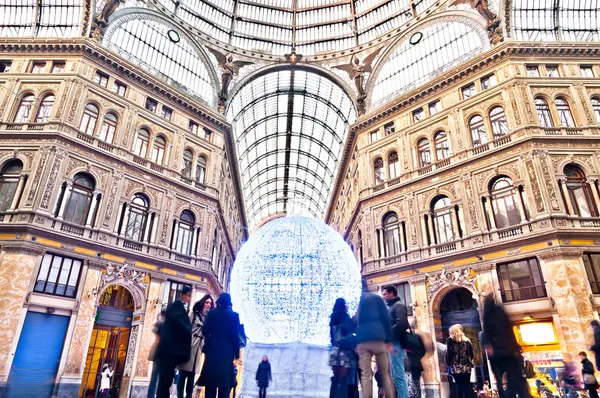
(596, 107)
(442, 148)
(158, 150)
(89, 119)
(360, 248)
(46, 105)
(9, 181)
(201, 169)
(580, 193)
(140, 147)
(442, 212)
(477, 128)
(564, 113)
(137, 219)
(80, 199)
(424, 152)
(394, 165)
(186, 171)
(504, 203)
(24, 110)
(109, 126)
(379, 171)
(185, 231)
(543, 111)
(214, 252)
(391, 235)
(498, 122)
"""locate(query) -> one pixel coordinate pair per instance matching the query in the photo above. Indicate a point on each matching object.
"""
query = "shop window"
(374, 135)
(586, 71)
(151, 104)
(543, 111)
(552, 71)
(166, 112)
(38, 67)
(5, 66)
(45, 109)
(533, 71)
(580, 192)
(591, 261)
(9, 181)
(119, 88)
(208, 135)
(424, 152)
(394, 165)
(488, 82)
(442, 146)
(58, 67)
(101, 79)
(477, 128)
(24, 109)
(172, 292)
(389, 128)
(504, 203)
(468, 91)
(58, 276)
(89, 119)
(521, 280)
(498, 122)
(109, 126)
(418, 115)
(201, 169)
(564, 113)
(379, 171)
(193, 127)
(435, 107)
(137, 218)
(443, 224)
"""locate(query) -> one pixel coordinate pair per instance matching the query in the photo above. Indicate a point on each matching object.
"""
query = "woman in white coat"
(106, 375)
(189, 370)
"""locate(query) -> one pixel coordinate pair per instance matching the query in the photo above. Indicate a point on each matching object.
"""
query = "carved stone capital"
(23, 247)
(560, 252)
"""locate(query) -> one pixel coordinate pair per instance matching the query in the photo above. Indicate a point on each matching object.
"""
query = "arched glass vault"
(290, 126)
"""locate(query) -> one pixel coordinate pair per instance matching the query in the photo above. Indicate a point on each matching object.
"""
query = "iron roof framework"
(48, 18)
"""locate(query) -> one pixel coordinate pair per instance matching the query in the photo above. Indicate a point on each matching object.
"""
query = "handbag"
(412, 342)
(242, 335)
(589, 379)
(473, 376)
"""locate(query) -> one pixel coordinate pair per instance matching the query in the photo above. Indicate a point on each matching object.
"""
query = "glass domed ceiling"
(309, 26)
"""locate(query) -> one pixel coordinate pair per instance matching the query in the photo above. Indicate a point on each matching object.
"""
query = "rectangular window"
(591, 261)
(58, 67)
(5, 66)
(521, 280)
(101, 79)
(119, 88)
(389, 128)
(435, 107)
(374, 135)
(552, 71)
(405, 297)
(532, 70)
(207, 135)
(166, 112)
(193, 127)
(172, 292)
(586, 71)
(418, 115)
(58, 275)
(38, 67)
(469, 91)
(488, 82)
(151, 104)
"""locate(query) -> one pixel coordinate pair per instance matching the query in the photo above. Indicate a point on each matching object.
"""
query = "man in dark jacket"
(399, 320)
(374, 337)
(504, 352)
(596, 347)
(175, 342)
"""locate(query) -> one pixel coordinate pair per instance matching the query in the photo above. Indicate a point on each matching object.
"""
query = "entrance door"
(34, 368)
(109, 342)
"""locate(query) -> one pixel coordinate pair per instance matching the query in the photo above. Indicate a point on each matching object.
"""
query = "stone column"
(455, 224)
(461, 219)
(92, 209)
(65, 198)
(18, 191)
(121, 215)
(381, 243)
(423, 231)
(569, 293)
(175, 235)
(146, 238)
(431, 230)
(563, 186)
(154, 228)
(401, 237)
(592, 188)
(520, 206)
(490, 212)
(70, 380)
(16, 268)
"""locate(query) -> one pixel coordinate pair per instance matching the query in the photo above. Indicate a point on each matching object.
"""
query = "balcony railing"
(510, 232)
(72, 229)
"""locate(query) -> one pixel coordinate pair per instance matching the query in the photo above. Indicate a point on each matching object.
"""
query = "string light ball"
(287, 277)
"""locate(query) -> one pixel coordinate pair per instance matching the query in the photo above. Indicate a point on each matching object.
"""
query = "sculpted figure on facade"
(356, 70)
(229, 69)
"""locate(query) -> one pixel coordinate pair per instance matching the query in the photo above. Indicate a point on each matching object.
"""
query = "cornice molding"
(560, 252)
(23, 247)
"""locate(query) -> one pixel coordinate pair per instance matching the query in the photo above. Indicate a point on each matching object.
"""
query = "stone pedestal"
(299, 370)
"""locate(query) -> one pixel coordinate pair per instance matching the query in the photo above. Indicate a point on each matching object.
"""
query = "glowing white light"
(287, 277)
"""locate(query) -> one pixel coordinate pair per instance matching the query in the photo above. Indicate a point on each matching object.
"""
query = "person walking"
(189, 370)
(221, 347)
(107, 373)
(589, 378)
(263, 376)
(399, 320)
(459, 358)
(503, 351)
(152, 356)
(596, 347)
(174, 346)
(374, 338)
(342, 357)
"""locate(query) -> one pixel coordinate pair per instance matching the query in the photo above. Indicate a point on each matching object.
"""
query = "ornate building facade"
(485, 182)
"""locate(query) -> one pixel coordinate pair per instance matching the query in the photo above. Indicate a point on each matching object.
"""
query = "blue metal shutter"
(34, 368)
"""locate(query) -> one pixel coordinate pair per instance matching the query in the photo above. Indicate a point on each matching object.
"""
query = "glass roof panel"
(145, 42)
(443, 46)
(48, 18)
(289, 127)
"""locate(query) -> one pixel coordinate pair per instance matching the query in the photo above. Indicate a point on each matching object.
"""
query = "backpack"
(414, 344)
(529, 370)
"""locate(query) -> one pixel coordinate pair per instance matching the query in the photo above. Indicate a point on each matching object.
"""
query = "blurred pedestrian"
(588, 373)
(596, 347)
(263, 376)
(152, 356)
(342, 357)
(107, 374)
(399, 319)
(459, 358)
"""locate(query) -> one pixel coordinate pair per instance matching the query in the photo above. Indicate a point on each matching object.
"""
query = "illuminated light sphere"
(287, 277)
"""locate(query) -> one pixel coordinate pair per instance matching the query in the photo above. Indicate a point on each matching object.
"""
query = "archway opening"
(109, 341)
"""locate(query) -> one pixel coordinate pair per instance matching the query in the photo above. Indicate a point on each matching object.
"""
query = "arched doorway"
(109, 341)
(459, 306)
